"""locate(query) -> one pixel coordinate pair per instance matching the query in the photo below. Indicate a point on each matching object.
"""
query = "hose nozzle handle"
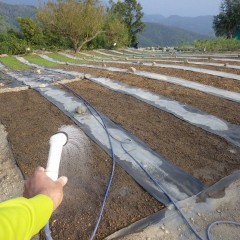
(56, 142)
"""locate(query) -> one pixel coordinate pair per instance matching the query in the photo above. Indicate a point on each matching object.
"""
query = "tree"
(80, 21)
(1, 20)
(3, 25)
(31, 31)
(130, 11)
(116, 32)
(55, 41)
(227, 22)
(115, 35)
(11, 43)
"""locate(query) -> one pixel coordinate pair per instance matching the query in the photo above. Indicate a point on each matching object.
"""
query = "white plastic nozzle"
(56, 142)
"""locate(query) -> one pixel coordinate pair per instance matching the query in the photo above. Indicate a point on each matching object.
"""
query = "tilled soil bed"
(203, 155)
(164, 60)
(171, 62)
(220, 82)
(30, 120)
(215, 68)
(219, 107)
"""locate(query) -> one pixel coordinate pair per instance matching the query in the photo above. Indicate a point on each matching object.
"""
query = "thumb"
(41, 169)
(62, 180)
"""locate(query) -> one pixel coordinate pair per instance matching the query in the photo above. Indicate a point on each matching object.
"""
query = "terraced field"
(172, 120)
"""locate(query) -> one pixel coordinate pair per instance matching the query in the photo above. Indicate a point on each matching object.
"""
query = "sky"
(188, 8)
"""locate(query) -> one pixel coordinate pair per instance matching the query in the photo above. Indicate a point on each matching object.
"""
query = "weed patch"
(13, 63)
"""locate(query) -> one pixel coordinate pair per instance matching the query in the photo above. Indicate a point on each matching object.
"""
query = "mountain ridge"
(199, 24)
(156, 34)
(11, 12)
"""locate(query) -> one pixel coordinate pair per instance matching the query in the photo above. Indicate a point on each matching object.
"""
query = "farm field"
(183, 120)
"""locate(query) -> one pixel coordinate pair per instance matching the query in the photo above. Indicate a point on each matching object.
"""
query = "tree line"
(77, 24)
(227, 22)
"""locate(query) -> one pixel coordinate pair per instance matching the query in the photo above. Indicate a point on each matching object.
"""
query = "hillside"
(156, 34)
(201, 24)
(9, 13)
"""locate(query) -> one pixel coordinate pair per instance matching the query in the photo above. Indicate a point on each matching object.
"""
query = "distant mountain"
(156, 34)
(201, 24)
(153, 18)
(9, 13)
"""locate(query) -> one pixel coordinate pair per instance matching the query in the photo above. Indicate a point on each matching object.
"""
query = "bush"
(10, 43)
(54, 42)
(115, 35)
(218, 44)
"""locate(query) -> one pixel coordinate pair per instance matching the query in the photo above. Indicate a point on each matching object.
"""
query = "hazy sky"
(165, 7)
(181, 7)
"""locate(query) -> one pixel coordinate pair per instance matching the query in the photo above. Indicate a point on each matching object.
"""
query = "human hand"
(40, 183)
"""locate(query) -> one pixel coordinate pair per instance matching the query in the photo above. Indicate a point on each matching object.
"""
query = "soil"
(221, 69)
(11, 178)
(30, 120)
(222, 108)
(216, 68)
(201, 214)
(224, 83)
(198, 60)
(203, 155)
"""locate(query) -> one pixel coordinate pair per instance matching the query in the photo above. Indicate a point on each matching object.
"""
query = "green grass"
(217, 44)
(94, 54)
(64, 59)
(40, 61)
(87, 57)
(12, 63)
(116, 55)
